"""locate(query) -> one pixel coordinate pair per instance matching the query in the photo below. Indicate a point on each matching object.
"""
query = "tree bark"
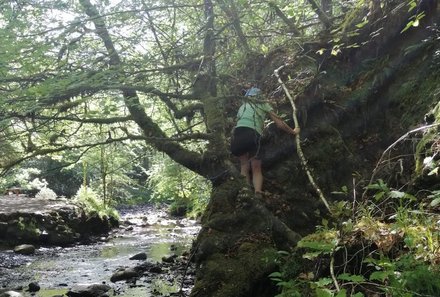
(323, 17)
(289, 22)
(231, 12)
(327, 7)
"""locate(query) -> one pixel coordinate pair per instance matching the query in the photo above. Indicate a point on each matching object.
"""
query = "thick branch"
(231, 12)
(149, 128)
(321, 14)
(85, 88)
(46, 151)
(298, 142)
(289, 22)
(111, 120)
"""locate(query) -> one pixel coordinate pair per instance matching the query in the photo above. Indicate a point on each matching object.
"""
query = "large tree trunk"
(238, 237)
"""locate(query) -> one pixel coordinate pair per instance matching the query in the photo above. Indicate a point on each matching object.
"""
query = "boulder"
(34, 287)
(3, 229)
(156, 269)
(94, 290)
(63, 238)
(40, 221)
(140, 256)
(169, 259)
(94, 224)
(124, 274)
(24, 249)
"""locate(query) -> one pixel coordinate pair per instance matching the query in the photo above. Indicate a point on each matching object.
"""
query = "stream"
(143, 229)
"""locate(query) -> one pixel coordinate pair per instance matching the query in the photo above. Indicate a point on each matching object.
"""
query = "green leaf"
(320, 292)
(344, 191)
(412, 5)
(435, 202)
(434, 171)
(397, 194)
(319, 246)
(416, 23)
(342, 293)
(409, 25)
(312, 255)
(336, 51)
(362, 24)
(354, 45)
(379, 196)
(275, 274)
(320, 51)
(322, 282)
(351, 277)
(380, 275)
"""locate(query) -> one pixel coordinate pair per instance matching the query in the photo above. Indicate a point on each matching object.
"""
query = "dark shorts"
(246, 140)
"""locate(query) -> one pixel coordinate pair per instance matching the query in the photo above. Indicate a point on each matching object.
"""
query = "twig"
(373, 175)
(186, 270)
(354, 197)
(332, 272)
(298, 143)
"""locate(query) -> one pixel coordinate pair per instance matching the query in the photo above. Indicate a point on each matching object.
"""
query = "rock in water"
(169, 259)
(95, 290)
(156, 269)
(34, 287)
(124, 275)
(140, 256)
(24, 249)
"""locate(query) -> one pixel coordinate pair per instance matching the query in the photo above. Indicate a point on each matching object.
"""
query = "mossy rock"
(237, 273)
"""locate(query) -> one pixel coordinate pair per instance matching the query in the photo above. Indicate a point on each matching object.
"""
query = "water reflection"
(57, 268)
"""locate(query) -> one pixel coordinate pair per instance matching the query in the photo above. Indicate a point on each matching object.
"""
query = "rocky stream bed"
(146, 256)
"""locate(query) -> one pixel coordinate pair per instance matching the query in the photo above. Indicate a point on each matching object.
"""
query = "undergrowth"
(91, 202)
(388, 246)
(386, 243)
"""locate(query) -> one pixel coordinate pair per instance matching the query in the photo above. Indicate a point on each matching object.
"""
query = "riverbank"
(27, 220)
(144, 229)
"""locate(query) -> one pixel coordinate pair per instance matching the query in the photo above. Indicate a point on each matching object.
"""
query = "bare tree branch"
(286, 20)
(231, 12)
(149, 128)
(321, 13)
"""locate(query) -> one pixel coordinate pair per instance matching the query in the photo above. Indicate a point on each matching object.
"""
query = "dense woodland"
(136, 100)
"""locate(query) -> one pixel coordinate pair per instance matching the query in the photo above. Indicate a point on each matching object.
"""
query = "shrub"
(46, 193)
(89, 199)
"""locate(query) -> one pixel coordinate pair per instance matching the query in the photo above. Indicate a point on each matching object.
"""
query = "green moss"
(234, 275)
(52, 292)
(213, 108)
(414, 93)
(26, 228)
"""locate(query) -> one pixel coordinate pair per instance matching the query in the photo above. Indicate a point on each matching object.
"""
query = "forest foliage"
(135, 99)
(63, 83)
(68, 69)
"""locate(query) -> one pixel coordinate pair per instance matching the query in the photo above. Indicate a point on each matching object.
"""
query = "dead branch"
(298, 142)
